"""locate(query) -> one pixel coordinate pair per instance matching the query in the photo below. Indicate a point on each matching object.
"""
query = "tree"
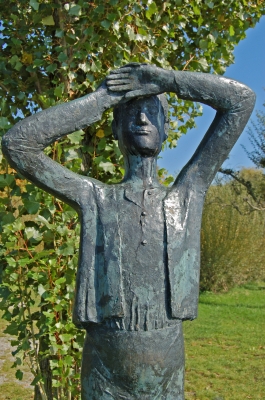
(255, 189)
(256, 134)
(56, 51)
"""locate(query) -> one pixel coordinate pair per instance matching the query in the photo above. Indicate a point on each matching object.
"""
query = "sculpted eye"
(153, 111)
(130, 110)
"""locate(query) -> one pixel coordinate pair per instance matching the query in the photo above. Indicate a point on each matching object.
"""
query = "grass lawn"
(225, 349)
(225, 346)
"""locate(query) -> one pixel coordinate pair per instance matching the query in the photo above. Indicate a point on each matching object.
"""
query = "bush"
(232, 236)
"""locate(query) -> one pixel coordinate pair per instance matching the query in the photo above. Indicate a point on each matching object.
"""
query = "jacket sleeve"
(23, 146)
(233, 102)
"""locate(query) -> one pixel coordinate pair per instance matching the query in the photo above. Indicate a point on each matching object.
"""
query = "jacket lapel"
(109, 278)
(183, 249)
(136, 198)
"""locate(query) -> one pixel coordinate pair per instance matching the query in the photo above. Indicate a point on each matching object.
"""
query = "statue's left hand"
(140, 80)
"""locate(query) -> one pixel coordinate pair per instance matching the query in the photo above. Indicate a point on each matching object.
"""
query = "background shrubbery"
(233, 234)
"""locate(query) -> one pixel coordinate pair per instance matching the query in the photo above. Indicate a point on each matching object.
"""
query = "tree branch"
(4, 87)
(246, 184)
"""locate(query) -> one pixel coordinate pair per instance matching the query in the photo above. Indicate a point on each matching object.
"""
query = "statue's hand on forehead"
(139, 80)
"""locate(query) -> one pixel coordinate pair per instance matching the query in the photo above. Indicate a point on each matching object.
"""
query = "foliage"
(232, 248)
(54, 51)
(39, 240)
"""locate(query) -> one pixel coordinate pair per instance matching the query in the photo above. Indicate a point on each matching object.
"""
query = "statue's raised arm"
(23, 145)
(232, 100)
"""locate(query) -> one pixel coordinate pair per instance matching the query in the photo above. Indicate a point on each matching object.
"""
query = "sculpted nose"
(142, 118)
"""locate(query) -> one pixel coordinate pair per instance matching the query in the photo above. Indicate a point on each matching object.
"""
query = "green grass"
(225, 346)
(225, 349)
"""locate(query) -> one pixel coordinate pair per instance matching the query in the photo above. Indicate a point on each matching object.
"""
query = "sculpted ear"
(114, 129)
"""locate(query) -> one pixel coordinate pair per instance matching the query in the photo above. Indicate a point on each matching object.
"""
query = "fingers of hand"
(119, 82)
(121, 70)
(118, 76)
(120, 88)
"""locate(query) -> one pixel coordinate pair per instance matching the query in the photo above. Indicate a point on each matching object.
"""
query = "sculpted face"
(139, 127)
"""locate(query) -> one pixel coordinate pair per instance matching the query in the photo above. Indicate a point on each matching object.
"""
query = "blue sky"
(249, 68)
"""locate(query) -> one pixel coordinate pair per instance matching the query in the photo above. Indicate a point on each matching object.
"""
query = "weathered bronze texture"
(138, 275)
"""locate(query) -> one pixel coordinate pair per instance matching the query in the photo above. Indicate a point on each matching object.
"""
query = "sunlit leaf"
(34, 4)
(48, 20)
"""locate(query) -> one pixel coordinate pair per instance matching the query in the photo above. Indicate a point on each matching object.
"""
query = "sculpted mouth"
(142, 131)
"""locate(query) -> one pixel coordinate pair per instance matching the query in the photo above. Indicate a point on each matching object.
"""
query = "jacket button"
(143, 213)
(144, 242)
(149, 192)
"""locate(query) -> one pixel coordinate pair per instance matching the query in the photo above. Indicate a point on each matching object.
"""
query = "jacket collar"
(137, 197)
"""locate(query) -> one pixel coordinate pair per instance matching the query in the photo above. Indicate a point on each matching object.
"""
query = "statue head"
(141, 125)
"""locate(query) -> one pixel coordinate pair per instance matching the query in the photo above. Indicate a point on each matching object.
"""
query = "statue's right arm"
(23, 145)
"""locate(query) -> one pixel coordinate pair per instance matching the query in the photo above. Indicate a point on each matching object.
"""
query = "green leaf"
(71, 154)
(112, 16)
(142, 31)
(32, 233)
(62, 57)
(106, 24)
(152, 9)
(76, 137)
(18, 66)
(12, 328)
(6, 180)
(19, 374)
(34, 4)
(130, 32)
(4, 123)
(58, 91)
(59, 281)
(69, 360)
(203, 44)
(196, 10)
(66, 249)
(203, 62)
(66, 337)
(8, 218)
(48, 20)
(51, 68)
(231, 30)
(210, 4)
(75, 10)
(32, 207)
(71, 38)
(59, 33)
(107, 167)
(41, 290)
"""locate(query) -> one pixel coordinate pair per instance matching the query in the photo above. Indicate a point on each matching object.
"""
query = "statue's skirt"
(133, 365)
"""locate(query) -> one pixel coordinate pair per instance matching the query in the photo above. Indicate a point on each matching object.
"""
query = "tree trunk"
(46, 374)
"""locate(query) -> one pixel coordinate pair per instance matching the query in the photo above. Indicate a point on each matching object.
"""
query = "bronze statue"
(138, 275)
